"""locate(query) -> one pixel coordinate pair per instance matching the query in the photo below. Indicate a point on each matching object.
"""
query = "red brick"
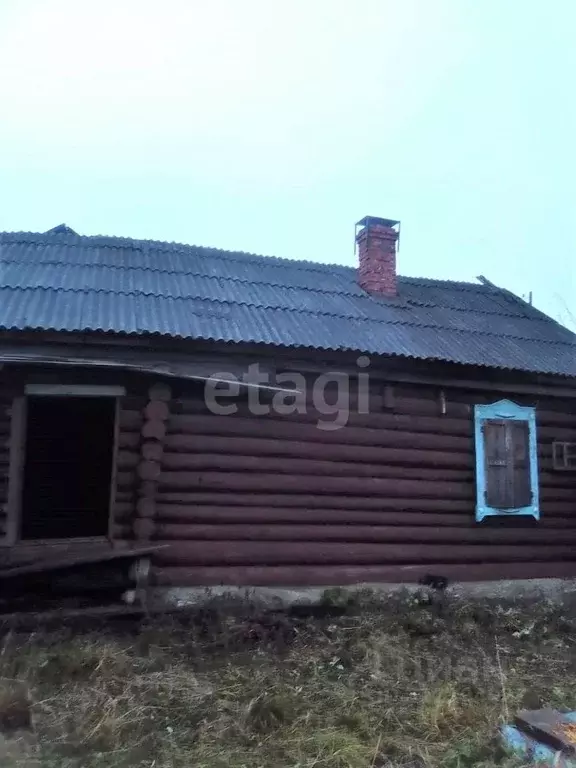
(377, 259)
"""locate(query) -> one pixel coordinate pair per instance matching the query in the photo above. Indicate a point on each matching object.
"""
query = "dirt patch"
(414, 683)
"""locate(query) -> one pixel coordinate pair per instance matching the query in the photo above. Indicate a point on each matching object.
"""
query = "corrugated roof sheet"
(65, 282)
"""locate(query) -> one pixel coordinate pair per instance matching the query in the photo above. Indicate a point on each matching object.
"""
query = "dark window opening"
(68, 467)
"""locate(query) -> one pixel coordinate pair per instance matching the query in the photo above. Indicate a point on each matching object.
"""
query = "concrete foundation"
(555, 590)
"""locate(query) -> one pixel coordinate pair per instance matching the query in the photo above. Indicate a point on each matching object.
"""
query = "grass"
(420, 686)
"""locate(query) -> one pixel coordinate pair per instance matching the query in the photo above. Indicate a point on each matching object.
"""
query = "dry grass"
(407, 685)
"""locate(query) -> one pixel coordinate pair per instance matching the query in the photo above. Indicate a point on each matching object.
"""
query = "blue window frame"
(506, 460)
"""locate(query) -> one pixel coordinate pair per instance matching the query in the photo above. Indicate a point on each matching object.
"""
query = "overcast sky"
(272, 127)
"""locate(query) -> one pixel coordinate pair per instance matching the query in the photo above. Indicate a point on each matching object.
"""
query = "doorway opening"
(68, 467)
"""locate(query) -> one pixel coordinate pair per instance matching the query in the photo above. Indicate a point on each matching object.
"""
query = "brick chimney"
(376, 240)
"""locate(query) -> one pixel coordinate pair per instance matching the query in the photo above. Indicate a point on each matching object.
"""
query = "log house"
(400, 426)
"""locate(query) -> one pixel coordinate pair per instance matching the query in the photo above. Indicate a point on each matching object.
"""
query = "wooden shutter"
(519, 440)
(496, 465)
(507, 463)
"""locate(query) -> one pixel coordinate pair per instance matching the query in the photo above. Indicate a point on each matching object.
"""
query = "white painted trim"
(74, 390)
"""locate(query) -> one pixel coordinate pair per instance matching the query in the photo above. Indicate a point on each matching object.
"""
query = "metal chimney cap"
(369, 221)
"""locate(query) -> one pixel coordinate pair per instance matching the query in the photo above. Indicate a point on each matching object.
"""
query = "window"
(506, 460)
(563, 456)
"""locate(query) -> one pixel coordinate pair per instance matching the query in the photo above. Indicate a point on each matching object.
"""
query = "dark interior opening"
(68, 467)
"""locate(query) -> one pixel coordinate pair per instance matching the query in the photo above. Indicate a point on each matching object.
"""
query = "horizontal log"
(352, 553)
(364, 533)
(558, 480)
(369, 486)
(124, 495)
(122, 532)
(329, 395)
(125, 479)
(256, 446)
(143, 528)
(146, 507)
(429, 406)
(557, 494)
(152, 450)
(123, 511)
(290, 430)
(132, 402)
(197, 513)
(336, 575)
(127, 459)
(301, 449)
(564, 419)
(5, 425)
(550, 433)
(156, 410)
(129, 439)
(492, 390)
(289, 465)
(123, 507)
(130, 420)
(149, 470)
(147, 489)
(155, 429)
(438, 424)
(420, 401)
(339, 502)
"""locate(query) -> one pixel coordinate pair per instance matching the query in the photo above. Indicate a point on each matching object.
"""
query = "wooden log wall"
(274, 500)
(142, 427)
(6, 405)
(130, 420)
(156, 415)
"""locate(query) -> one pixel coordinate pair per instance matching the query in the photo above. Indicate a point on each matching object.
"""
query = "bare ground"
(409, 684)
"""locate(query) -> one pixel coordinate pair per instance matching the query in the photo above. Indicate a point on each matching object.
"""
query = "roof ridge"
(173, 247)
(223, 253)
